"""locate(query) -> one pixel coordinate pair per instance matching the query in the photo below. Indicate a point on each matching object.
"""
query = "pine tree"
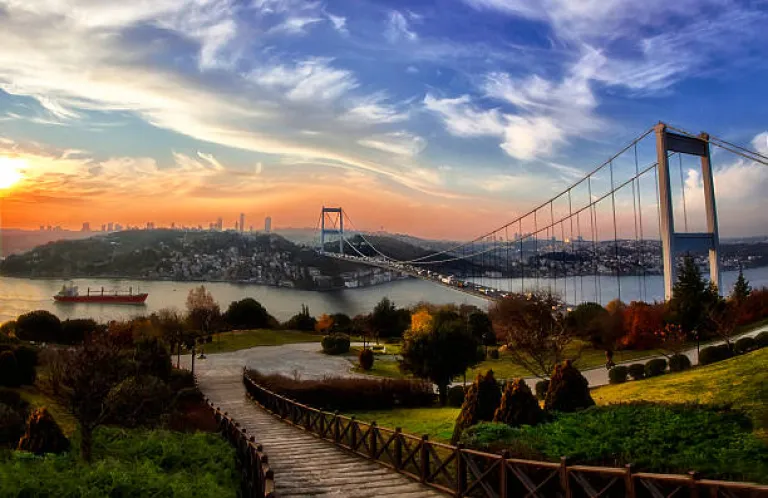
(741, 289)
(518, 405)
(692, 297)
(480, 403)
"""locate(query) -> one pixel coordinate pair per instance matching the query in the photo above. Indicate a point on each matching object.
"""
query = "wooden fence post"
(629, 483)
(461, 471)
(424, 458)
(353, 426)
(336, 436)
(564, 479)
(398, 448)
(694, 485)
(503, 492)
(374, 440)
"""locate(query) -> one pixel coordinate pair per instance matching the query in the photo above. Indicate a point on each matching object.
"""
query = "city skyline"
(441, 119)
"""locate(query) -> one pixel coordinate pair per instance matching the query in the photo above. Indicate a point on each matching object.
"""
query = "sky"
(440, 119)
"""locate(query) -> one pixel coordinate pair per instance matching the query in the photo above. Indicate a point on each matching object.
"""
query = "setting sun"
(10, 171)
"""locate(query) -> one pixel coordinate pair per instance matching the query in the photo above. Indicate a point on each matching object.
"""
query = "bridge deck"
(303, 464)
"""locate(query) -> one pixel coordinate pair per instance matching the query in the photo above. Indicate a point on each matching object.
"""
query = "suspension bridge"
(629, 216)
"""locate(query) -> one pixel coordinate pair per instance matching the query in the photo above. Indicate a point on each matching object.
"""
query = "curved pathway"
(303, 464)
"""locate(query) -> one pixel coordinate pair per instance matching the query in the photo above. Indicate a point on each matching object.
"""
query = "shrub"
(301, 321)
(518, 405)
(26, 359)
(8, 329)
(542, 387)
(456, 396)
(38, 325)
(365, 358)
(75, 331)
(494, 437)
(9, 375)
(335, 344)
(180, 379)
(636, 371)
(247, 314)
(655, 367)
(480, 403)
(494, 354)
(43, 435)
(679, 363)
(618, 374)
(335, 393)
(745, 345)
(713, 354)
(153, 359)
(761, 339)
(138, 401)
(568, 390)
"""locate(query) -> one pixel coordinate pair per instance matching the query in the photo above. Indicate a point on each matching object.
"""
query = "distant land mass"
(258, 258)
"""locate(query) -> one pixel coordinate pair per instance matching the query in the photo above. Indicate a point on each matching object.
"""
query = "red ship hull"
(105, 299)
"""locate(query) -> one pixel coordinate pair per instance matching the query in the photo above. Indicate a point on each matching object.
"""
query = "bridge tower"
(672, 242)
(333, 217)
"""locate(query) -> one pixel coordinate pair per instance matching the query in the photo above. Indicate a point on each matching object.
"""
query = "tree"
(302, 321)
(76, 330)
(40, 325)
(387, 320)
(87, 375)
(724, 317)
(342, 323)
(534, 330)
(642, 322)
(324, 324)
(691, 298)
(568, 390)
(518, 405)
(481, 328)
(9, 375)
(439, 353)
(247, 314)
(741, 289)
(480, 404)
(204, 311)
(172, 330)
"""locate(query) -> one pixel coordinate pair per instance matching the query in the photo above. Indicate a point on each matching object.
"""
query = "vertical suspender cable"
(522, 255)
(682, 189)
(553, 244)
(595, 235)
(640, 216)
(615, 234)
(536, 246)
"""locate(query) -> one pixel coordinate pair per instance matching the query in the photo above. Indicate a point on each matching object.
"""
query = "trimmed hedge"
(655, 367)
(618, 374)
(336, 393)
(335, 344)
(745, 345)
(762, 339)
(636, 371)
(679, 363)
(365, 359)
(714, 354)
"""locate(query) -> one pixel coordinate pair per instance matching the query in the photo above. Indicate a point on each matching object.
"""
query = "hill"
(267, 259)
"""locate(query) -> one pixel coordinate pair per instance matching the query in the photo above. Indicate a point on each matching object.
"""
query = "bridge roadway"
(303, 464)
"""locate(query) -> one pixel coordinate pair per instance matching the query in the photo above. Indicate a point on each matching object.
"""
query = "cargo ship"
(72, 295)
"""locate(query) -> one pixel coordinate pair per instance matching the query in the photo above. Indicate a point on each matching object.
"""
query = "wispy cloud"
(401, 143)
(398, 28)
(312, 79)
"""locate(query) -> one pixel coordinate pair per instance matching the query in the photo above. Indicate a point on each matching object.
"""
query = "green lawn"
(437, 421)
(244, 339)
(741, 381)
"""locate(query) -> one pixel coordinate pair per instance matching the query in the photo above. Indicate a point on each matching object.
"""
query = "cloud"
(398, 29)
(339, 23)
(295, 25)
(312, 79)
(760, 143)
(463, 119)
(374, 109)
(401, 143)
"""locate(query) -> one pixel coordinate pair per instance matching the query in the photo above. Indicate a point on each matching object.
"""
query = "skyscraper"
(110, 226)
(242, 222)
(86, 227)
(268, 224)
(219, 224)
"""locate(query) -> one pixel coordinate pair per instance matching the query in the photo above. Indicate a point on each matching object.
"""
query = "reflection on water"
(19, 295)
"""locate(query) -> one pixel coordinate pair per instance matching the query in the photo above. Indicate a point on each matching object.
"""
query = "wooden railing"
(464, 472)
(257, 480)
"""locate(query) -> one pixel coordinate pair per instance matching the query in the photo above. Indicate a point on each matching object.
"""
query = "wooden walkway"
(303, 464)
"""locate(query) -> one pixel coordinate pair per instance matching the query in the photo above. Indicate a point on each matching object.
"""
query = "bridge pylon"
(332, 217)
(672, 242)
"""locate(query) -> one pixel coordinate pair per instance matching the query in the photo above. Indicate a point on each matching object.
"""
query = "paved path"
(303, 464)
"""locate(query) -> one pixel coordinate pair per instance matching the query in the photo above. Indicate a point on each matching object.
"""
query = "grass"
(127, 463)
(226, 342)
(437, 422)
(38, 399)
(741, 381)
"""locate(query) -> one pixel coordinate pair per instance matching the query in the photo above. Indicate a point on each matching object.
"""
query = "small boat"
(70, 294)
